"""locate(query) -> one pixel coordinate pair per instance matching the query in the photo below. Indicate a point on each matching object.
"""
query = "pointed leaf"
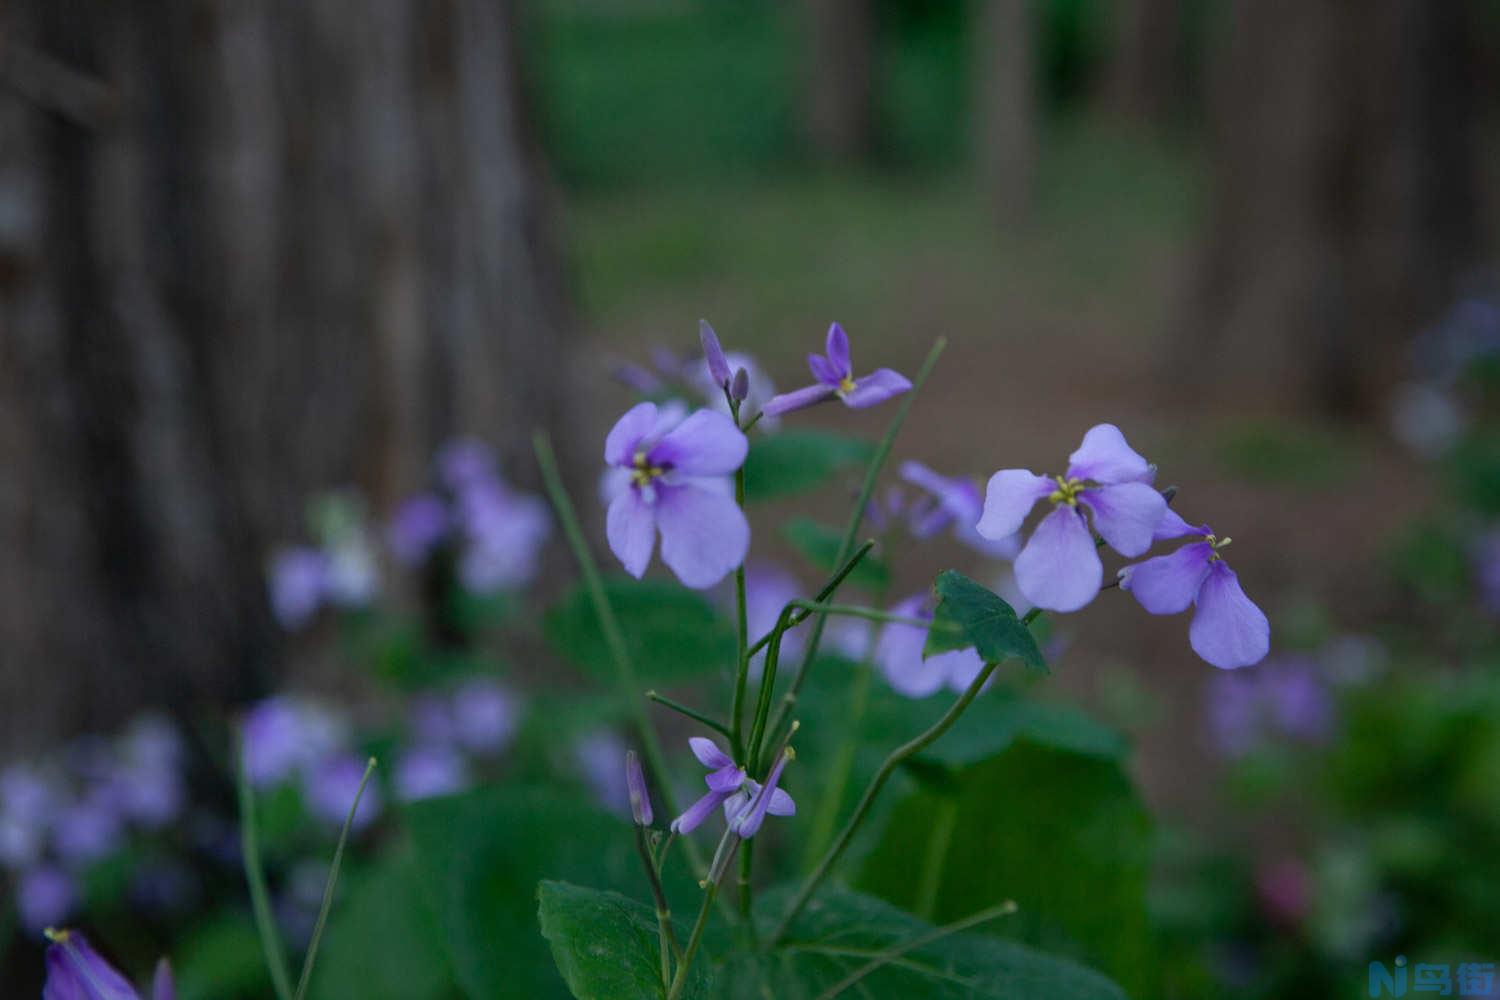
(983, 621)
(607, 946)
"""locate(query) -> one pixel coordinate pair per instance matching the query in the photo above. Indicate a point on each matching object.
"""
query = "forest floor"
(1052, 327)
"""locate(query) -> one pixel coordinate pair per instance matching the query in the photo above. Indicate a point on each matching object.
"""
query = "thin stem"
(260, 896)
(328, 887)
(626, 681)
(831, 801)
(866, 491)
(1004, 909)
(691, 713)
(711, 890)
(822, 595)
(767, 686)
(902, 753)
(937, 852)
(747, 863)
(742, 652)
(669, 946)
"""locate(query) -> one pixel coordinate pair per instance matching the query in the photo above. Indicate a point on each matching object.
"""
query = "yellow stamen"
(846, 385)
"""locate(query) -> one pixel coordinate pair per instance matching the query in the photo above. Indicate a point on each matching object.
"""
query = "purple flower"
(746, 810)
(724, 780)
(416, 528)
(1059, 569)
(957, 504)
(505, 532)
(768, 588)
(835, 375)
(672, 491)
(484, 716)
(28, 803)
(75, 971)
(1486, 556)
(1285, 698)
(426, 772)
(597, 756)
(282, 735)
(44, 896)
(329, 789)
(851, 638)
(353, 577)
(713, 354)
(1228, 630)
(299, 582)
(463, 462)
(87, 830)
(430, 721)
(898, 653)
(635, 787)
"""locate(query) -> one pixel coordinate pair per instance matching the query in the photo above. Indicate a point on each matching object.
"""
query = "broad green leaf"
(792, 462)
(1062, 833)
(986, 622)
(607, 946)
(841, 931)
(672, 633)
(819, 544)
(220, 958)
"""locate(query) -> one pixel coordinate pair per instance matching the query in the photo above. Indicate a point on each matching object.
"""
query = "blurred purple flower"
(1286, 698)
(166, 886)
(87, 829)
(504, 534)
(416, 528)
(484, 716)
(719, 372)
(724, 780)
(768, 588)
(898, 653)
(464, 462)
(835, 380)
(353, 577)
(45, 895)
(430, 721)
(851, 638)
(425, 772)
(958, 505)
(330, 786)
(283, 735)
(1228, 630)
(637, 377)
(635, 787)
(704, 534)
(1425, 418)
(28, 802)
(1285, 891)
(1486, 556)
(1059, 569)
(597, 756)
(299, 582)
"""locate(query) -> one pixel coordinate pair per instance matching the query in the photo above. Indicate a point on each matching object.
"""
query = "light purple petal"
(705, 444)
(747, 824)
(739, 802)
(837, 348)
(898, 652)
(698, 812)
(1172, 526)
(1008, 498)
(798, 399)
(725, 779)
(635, 788)
(75, 971)
(958, 496)
(631, 527)
(704, 535)
(875, 388)
(1167, 584)
(1228, 630)
(824, 371)
(1126, 515)
(162, 986)
(708, 752)
(1059, 569)
(781, 803)
(626, 435)
(1104, 457)
(961, 667)
(718, 365)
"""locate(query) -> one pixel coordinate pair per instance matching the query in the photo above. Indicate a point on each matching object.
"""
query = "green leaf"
(792, 462)
(819, 544)
(220, 958)
(606, 946)
(841, 931)
(672, 633)
(1062, 833)
(983, 621)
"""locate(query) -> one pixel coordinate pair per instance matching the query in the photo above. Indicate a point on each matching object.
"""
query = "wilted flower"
(416, 528)
(957, 505)
(1059, 569)
(425, 772)
(75, 971)
(898, 653)
(1228, 630)
(835, 374)
(45, 895)
(635, 787)
(299, 583)
(676, 489)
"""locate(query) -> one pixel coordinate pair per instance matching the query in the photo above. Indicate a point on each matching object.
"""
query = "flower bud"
(740, 387)
(635, 783)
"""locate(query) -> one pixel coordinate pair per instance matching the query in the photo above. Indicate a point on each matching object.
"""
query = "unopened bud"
(739, 388)
(635, 784)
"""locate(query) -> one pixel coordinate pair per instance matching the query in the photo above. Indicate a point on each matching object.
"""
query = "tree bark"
(249, 250)
(1005, 107)
(840, 78)
(1344, 204)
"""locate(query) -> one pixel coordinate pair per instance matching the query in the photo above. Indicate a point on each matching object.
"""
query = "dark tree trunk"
(249, 250)
(1143, 75)
(1344, 204)
(840, 78)
(1005, 107)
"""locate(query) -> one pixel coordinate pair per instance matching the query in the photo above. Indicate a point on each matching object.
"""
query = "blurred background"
(253, 252)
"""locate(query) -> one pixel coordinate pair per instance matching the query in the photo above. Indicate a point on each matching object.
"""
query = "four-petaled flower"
(1059, 569)
(835, 375)
(1228, 630)
(676, 487)
(957, 503)
(746, 801)
(75, 971)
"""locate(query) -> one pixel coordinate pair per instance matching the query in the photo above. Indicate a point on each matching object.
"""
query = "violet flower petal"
(747, 824)
(705, 444)
(1105, 457)
(630, 526)
(162, 985)
(625, 436)
(718, 365)
(1008, 498)
(708, 752)
(1228, 630)
(1126, 515)
(875, 388)
(837, 348)
(824, 371)
(898, 653)
(1172, 525)
(635, 786)
(704, 535)
(798, 399)
(75, 971)
(1167, 585)
(781, 804)
(698, 812)
(1059, 569)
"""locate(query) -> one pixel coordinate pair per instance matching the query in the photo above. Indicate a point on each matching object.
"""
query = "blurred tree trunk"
(1142, 77)
(1344, 203)
(840, 78)
(1005, 106)
(249, 250)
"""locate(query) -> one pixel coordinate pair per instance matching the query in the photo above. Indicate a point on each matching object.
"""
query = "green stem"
(866, 491)
(691, 713)
(831, 802)
(943, 825)
(711, 891)
(260, 896)
(902, 753)
(328, 887)
(669, 946)
(767, 686)
(747, 862)
(828, 589)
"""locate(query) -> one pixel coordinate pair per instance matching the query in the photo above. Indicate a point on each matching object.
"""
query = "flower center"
(642, 472)
(1067, 491)
(1217, 544)
(846, 385)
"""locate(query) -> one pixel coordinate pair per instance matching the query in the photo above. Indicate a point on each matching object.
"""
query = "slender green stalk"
(328, 887)
(824, 594)
(902, 753)
(747, 863)
(669, 945)
(629, 688)
(866, 491)
(825, 818)
(941, 839)
(260, 896)
(1004, 909)
(711, 890)
(691, 713)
